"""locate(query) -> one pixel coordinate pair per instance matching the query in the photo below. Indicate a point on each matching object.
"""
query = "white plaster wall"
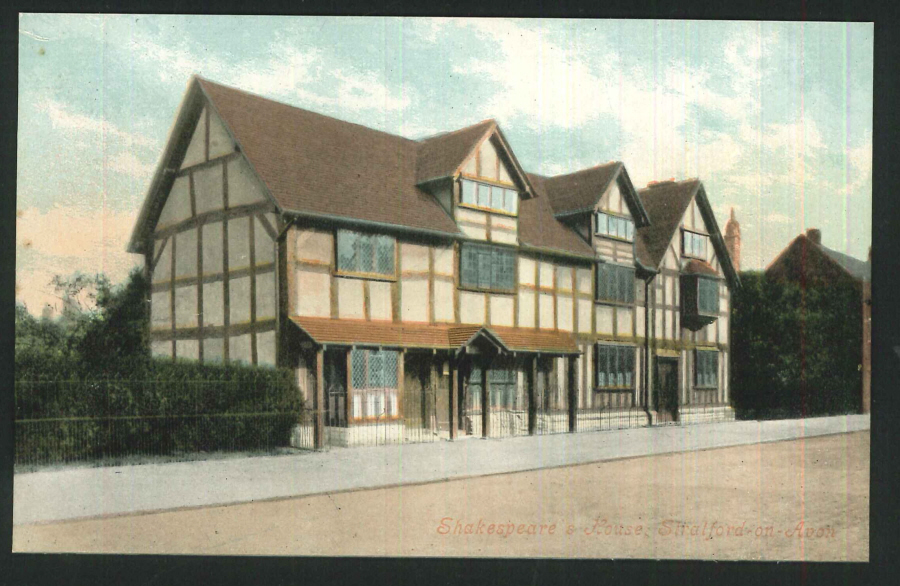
(196, 151)
(584, 315)
(160, 310)
(239, 300)
(443, 301)
(187, 349)
(313, 293)
(186, 307)
(213, 304)
(503, 237)
(414, 299)
(238, 243)
(526, 271)
(186, 253)
(315, 245)
(443, 260)
(501, 310)
(163, 269)
(263, 243)
(564, 311)
(220, 142)
(265, 296)
(178, 204)
(161, 348)
(471, 307)
(380, 300)
(243, 187)
(526, 309)
(212, 248)
(413, 257)
(208, 189)
(488, 158)
(545, 307)
(265, 348)
(641, 323)
(239, 349)
(474, 232)
(624, 321)
(564, 278)
(350, 298)
(546, 275)
(213, 349)
(604, 319)
(583, 281)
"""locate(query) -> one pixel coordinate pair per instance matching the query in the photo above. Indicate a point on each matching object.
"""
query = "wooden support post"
(485, 402)
(573, 397)
(320, 399)
(455, 382)
(531, 382)
(349, 386)
(401, 380)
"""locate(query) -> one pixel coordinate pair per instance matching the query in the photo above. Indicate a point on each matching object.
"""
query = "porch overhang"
(351, 332)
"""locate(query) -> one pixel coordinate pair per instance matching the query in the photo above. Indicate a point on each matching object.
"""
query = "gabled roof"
(580, 191)
(441, 155)
(538, 226)
(666, 203)
(796, 257)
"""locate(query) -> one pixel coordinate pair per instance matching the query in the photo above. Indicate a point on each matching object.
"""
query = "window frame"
(373, 275)
(369, 394)
(626, 355)
(707, 353)
(479, 185)
(693, 233)
(616, 270)
(629, 232)
(714, 283)
(490, 288)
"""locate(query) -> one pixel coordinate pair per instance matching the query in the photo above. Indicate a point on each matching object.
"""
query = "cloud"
(128, 164)
(62, 118)
(776, 218)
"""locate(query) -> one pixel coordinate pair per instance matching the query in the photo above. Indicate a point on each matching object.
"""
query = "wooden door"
(667, 389)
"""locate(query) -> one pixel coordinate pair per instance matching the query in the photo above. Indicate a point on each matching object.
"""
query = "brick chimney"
(815, 235)
(733, 240)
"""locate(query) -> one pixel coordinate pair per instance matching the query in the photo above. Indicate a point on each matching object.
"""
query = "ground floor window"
(374, 384)
(502, 382)
(614, 367)
(706, 369)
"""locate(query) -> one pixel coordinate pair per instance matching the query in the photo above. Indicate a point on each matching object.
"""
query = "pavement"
(79, 493)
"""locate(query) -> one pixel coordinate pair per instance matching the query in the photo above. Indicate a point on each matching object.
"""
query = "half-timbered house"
(426, 289)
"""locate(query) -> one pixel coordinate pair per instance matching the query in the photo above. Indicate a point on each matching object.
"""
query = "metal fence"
(58, 422)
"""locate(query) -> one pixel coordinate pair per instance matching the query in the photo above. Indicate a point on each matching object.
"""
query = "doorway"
(666, 385)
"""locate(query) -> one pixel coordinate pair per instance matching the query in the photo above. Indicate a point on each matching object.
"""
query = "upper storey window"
(614, 283)
(694, 244)
(366, 254)
(614, 226)
(490, 197)
(491, 268)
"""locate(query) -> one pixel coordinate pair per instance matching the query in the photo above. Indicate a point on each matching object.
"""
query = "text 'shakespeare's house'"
(432, 288)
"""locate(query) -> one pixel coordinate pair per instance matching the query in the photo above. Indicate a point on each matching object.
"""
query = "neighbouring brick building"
(807, 260)
(432, 288)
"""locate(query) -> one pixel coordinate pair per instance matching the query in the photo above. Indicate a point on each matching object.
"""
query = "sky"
(775, 117)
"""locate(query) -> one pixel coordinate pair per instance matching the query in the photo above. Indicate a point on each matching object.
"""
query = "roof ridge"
(591, 168)
(281, 103)
(449, 132)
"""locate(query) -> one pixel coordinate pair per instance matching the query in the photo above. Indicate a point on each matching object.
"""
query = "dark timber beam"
(531, 382)
(319, 438)
(573, 395)
(455, 382)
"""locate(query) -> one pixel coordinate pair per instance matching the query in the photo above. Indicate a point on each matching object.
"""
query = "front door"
(666, 389)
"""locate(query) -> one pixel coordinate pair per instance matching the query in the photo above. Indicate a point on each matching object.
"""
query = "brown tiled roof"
(442, 155)
(665, 203)
(539, 227)
(440, 336)
(317, 164)
(802, 255)
(580, 190)
(698, 267)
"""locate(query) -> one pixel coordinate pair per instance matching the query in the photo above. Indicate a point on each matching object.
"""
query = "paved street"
(792, 500)
(56, 495)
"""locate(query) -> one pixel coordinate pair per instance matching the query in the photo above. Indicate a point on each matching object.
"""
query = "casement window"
(374, 383)
(358, 252)
(614, 367)
(706, 369)
(693, 244)
(707, 296)
(502, 382)
(614, 283)
(491, 197)
(485, 267)
(613, 226)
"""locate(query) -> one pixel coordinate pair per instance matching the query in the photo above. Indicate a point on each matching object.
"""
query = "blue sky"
(775, 118)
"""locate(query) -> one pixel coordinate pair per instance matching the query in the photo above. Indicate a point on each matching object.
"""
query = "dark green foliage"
(87, 388)
(796, 351)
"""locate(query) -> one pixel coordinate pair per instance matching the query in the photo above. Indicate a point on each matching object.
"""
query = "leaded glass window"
(358, 252)
(487, 267)
(492, 197)
(614, 283)
(614, 366)
(706, 369)
(614, 226)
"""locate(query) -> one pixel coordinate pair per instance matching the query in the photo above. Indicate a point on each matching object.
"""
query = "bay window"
(694, 244)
